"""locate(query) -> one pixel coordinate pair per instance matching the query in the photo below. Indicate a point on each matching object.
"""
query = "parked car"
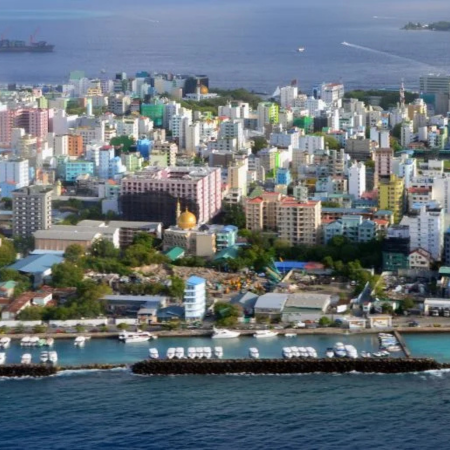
(414, 323)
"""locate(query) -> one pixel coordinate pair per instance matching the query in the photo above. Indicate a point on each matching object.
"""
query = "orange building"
(75, 145)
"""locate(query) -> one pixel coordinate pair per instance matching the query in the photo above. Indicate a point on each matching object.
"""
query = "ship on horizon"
(18, 46)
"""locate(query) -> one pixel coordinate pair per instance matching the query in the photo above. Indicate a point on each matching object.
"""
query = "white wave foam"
(69, 372)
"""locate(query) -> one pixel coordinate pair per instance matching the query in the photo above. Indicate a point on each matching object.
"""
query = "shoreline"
(244, 333)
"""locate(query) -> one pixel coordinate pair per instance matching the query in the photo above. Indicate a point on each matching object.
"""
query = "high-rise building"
(383, 162)
(14, 174)
(267, 114)
(357, 179)
(287, 96)
(195, 298)
(391, 196)
(32, 210)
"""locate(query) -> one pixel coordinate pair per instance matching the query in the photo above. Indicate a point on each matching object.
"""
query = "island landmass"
(435, 26)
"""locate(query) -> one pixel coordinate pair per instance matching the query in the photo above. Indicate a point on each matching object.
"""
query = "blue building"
(283, 176)
(195, 298)
(144, 147)
(73, 169)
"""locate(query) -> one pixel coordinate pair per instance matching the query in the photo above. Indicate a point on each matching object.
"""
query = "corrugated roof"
(36, 263)
(175, 253)
(195, 280)
(271, 301)
(444, 270)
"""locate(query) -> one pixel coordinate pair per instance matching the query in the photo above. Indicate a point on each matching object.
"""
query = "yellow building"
(391, 196)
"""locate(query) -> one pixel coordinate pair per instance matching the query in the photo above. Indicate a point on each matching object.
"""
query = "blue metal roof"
(286, 266)
(195, 280)
(36, 263)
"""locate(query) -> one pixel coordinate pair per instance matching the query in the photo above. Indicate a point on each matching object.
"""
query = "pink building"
(202, 185)
(33, 120)
(383, 162)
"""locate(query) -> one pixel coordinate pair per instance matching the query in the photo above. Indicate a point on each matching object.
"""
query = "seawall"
(280, 366)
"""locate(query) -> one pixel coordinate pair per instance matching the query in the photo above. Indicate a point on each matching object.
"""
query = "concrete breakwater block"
(27, 370)
(280, 366)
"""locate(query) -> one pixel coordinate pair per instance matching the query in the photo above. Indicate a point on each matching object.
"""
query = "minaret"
(178, 210)
(402, 96)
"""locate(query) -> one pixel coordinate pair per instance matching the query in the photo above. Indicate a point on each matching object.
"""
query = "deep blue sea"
(248, 43)
(94, 410)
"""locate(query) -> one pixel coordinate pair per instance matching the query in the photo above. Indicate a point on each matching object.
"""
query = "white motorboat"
(153, 353)
(218, 352)
(170, 353)
(79, 341)
(207, 352)
(295, 352)
(393, 348)
(329, 353)
(199, 352)
(191, 353)
(290, 335)
(365, 354)
(311, 352)
(133, 338)
(49, 342)
(351, 351)
(5, 342)
(222, 333)
(25, 341)
(44, 357)
(339, 350)
(26, 358)
(253, 353)
(34, 340)
(53, 357)
(2, 358)
(386, 335)
(287, 352)
(265, 334)
(179, 353)
(301, 49)
(303, 352)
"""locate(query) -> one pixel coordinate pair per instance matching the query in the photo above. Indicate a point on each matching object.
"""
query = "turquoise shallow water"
(435, 345)
(113, 351)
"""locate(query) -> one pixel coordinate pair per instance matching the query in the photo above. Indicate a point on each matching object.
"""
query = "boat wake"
(391, 55)
(70, 372)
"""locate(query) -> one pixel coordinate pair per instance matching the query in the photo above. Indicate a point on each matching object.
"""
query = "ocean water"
(117, 410)
(250, 44)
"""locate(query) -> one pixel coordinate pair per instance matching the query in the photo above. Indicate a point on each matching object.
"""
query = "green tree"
(325, 321)
(7, 253)
(328, 262)
(38, 329)
(103, 248)
(66, 274)
(74, 253)
(79, 328)
(123, 326)
(397, 131)
(226, 314)
(145, 239)
(408, 303)
(234, 215)
(123, 143)
(259, 142)
(387, 308)
(177, 287)
(6, 203)
(31, 313)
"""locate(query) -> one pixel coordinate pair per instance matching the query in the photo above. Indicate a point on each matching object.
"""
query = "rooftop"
(271, 301)
(36, 263)
(196, 281)
(308, 301)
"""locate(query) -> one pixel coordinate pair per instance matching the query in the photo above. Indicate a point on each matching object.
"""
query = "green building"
(154, 112)
(306, 123)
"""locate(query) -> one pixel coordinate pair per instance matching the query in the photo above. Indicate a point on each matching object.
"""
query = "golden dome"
(187, 220)
(204, 90)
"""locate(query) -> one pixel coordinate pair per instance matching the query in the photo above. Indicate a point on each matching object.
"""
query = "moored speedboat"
(303, 352)
(311, 352)
(34, 341)
(179, 353)
(26, 358)
(287, 352)
(295, 352)
(52, 357)
(365, 354)
(265, 334)
(153, 353)
(42, 342)
(222, 333)
(131, 337)
(207, 352)
(290, 335)
(170, 353)
(393, 348)
(44, 357)
(199, 352)
(253, 353)
(2, 358)
(218, 352)
(49, 342)
(339, 350)
(329, 353)
(79, 341)
(351, 351)
(191, 353)
(25, 341)
(5, 342)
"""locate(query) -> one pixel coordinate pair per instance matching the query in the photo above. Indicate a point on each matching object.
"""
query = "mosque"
(198, 240)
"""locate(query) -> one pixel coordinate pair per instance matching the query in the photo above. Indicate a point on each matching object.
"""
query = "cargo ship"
(11, 46)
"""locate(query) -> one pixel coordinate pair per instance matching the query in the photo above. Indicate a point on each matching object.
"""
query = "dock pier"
(402, 344)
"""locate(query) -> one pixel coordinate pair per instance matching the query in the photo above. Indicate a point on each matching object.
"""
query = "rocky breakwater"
(280, 366)
(27, 370)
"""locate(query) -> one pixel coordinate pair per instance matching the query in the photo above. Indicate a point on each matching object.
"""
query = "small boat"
(339, 350)
(79, 341)
(329, 353)
(207, 352)
(199, 352)
(138, 336)
(25, 341)
(52, 357)
(381, 354)
(34, 340)
(393, 348)
(303, 352)
(191, 353)
(5, 342)
(345, 43)
(179, 353)
(42, 342)
(253, 353)
(218, 352)
(365, 354)
(311, 352)
(351, 351)
(386, 335)
(222, 333)
(301, 49)
(295, 352)
(26, 358)
(265, 334)
(287, 352)
(170, 353)
(44, 357)
(2, 358)
(153, 353)
(50, 342)
(290, 335)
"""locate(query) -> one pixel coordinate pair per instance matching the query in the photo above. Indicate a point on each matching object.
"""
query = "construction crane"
(36, 31)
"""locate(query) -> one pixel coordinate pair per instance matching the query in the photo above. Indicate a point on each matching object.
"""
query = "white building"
(14, 174)
(311, 143)
(232, 129)
(195, 298)
(287, 96)
(405, 167)
(357, 179)
(192, 137)
(407, 134)
(235, 110)
(332, 92)
(426, 230)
